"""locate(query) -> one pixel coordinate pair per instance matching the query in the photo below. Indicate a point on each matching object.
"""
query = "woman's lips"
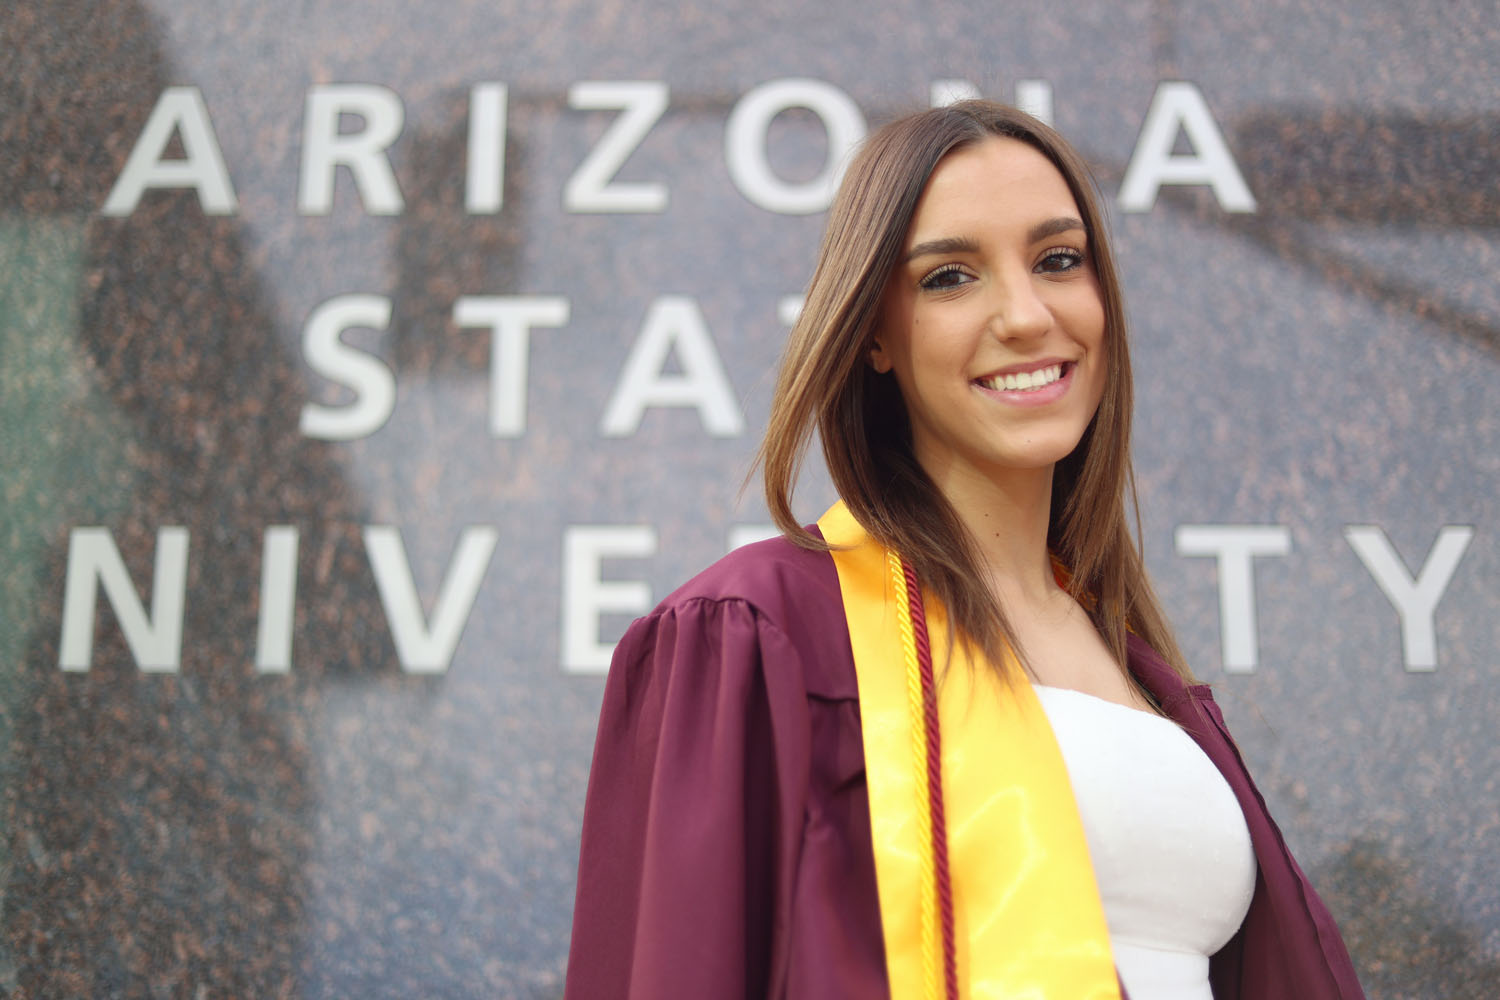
(1036, 387)
(1024, 381)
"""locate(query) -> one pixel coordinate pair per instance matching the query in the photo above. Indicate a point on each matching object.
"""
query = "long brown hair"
(825, 383)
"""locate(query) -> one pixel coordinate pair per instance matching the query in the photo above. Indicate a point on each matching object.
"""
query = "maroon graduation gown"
(726, 838)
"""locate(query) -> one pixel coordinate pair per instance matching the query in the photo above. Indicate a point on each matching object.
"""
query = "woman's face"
(992, 320)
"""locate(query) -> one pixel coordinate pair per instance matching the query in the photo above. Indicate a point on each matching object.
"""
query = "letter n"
(155, 639)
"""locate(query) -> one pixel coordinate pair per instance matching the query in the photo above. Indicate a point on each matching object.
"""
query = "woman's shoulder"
(772, 593)
(777, 579)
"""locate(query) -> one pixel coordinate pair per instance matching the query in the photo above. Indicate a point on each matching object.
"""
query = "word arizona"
(1177, 113)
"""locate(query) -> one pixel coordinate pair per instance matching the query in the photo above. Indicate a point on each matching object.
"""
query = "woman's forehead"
(998, 182)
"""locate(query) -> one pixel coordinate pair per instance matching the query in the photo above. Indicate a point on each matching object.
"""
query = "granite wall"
(364, 367)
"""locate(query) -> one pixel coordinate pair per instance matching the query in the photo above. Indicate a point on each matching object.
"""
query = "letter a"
(180, 110)
(674, 323)
(1180, 107)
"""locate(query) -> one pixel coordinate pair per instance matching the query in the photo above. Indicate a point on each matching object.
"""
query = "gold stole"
(1026, 913)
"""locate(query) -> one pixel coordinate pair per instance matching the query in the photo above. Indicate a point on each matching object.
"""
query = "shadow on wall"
(443, 253)
(1367, 168)
(154, 829)
(1379, 168)
(1403, 944)
(214, 829)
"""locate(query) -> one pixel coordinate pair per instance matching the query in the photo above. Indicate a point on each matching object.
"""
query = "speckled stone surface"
(351, 829)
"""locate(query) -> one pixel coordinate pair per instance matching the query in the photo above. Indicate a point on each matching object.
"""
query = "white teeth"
(1025, 381)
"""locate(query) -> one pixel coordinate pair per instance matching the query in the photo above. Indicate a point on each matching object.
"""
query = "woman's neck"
(1007, 516)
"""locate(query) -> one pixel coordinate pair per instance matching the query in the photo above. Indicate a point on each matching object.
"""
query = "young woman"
(943, 743)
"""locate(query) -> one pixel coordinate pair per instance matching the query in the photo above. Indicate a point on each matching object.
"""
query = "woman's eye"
(947, 276)
(1060, 259)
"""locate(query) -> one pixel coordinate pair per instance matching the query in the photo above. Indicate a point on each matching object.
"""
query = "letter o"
(745, 143)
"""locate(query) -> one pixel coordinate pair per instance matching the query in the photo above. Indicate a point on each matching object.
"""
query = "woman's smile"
(1031, 385)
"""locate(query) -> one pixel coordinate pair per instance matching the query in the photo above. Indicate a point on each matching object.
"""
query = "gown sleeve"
(692, 823)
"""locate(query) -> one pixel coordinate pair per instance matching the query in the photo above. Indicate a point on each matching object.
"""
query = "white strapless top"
(1170, 847)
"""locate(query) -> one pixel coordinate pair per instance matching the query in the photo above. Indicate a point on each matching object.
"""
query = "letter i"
(278, 598)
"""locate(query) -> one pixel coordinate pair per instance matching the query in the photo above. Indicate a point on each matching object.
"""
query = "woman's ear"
(879, 360)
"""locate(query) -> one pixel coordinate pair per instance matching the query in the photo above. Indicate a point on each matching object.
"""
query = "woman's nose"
(1018, 310)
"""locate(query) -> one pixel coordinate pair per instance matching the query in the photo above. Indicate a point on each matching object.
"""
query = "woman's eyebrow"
(946, 245)
(1051, 227)
(963, 244)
